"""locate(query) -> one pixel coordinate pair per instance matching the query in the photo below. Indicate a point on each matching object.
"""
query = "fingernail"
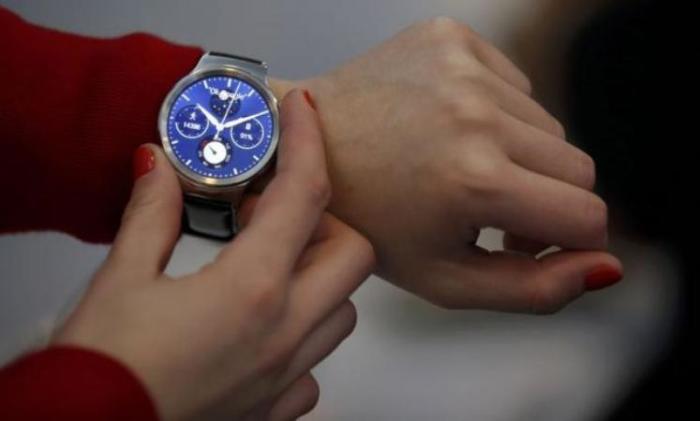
(309, 99)
(602, 277)
(144, 161)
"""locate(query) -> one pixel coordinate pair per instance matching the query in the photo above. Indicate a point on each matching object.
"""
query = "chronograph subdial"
(214, 153)
(248, 135)
(191, 123)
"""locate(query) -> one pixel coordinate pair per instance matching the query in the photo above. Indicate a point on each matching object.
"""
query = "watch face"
(219, 128)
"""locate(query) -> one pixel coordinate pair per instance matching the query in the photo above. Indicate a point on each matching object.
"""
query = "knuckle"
(546, 298)
(484, 112)
(267, 300)
(364, 250)
(469, 32)
(596, 217)
(456, 298)
(587, 170)
(451, 62)
(313, 394)
(558, 128)
(318, 190)
(307, 392)
(276, 354)
(358, 245)
(475, 112)
(480, 169)
(454, 107)
(441, 24)
(351, 315)
(141, 201)
(445, 28)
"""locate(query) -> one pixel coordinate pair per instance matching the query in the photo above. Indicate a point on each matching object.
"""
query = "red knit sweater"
(72, 111)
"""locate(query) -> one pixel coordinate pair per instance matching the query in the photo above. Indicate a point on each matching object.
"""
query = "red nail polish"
(144, 161)
(602, 277)
(309, 99)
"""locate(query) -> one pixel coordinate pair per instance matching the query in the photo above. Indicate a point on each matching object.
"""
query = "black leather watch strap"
(209, 218)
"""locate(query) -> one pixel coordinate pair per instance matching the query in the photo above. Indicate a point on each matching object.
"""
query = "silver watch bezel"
(211, 183)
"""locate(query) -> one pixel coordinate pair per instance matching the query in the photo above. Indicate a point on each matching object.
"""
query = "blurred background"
(615, 354)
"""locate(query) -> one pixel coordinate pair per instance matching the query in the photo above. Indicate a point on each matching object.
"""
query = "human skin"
(237, 338)
(432, 136)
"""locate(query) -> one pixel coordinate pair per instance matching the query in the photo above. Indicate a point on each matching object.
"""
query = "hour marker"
(186, 97)
(228, 84)
(255, 157)
(205, 84)
(189, 161)
(174, 142)
(235, 171)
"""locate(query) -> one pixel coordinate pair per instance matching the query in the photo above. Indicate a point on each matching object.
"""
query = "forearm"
(72, 111)
(72, 383)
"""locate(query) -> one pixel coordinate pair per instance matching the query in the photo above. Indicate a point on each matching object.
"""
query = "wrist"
(319, 87)
(281, 87)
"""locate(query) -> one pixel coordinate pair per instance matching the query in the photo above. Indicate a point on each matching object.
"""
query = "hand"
(444, 140)
(242, 333)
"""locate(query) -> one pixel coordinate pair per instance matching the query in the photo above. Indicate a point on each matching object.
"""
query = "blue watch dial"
(220, 126)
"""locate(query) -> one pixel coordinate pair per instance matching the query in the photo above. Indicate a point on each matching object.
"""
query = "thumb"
(151, 221)
(514, 282)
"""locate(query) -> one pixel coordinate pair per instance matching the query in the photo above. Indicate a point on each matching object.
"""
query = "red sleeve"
(70, 383)
(72, 111)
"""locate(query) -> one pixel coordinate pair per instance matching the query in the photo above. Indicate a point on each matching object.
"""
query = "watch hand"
(220, 127)
(238, 121)
(209, 116)
(230, 103)
(235, 93)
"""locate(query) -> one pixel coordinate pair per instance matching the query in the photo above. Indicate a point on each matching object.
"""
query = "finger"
(501, 65)
(520, 105)
(261, 181)
(321, 232)
(523, 245)
(297, 400)
(547, 210)
(290, 208)
(522, 284)
(327, 227)
(318, 344)
(546, 154)
(245, 211)
(329, 272)
(151, 221)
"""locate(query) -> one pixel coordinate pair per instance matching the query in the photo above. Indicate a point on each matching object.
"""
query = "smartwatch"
(220, 127)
